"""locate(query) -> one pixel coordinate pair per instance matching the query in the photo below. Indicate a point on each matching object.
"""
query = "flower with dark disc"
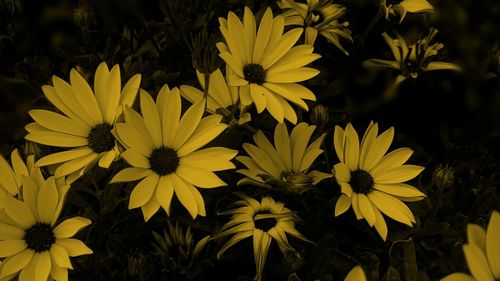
(164, 161)
(361, 181)
(100, 138)
(254, 73)
(39, 237)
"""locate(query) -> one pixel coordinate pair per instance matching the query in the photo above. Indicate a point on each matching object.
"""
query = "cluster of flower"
(164, 146)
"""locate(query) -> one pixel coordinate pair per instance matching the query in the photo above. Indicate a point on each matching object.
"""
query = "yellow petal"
(132, 138)
(378, 148)
(85, 96)
(366, 208)
(477, 262)
(143, 191)
(398, 175)
(70, 227)
(56, 139)
(47, 200)
(343, 204)
(20, 213)
(151, 118)
(356, 274)
(43, 266)
(493, 244)
(60, 256)
(164, 193)
(11, 247)
(63, 156)
(10, 232)
(150, 208)
(135, 159)
(185, 196)
(199, 177)
(74, 247)
(130, 174)
(458, 277)
(15, 263)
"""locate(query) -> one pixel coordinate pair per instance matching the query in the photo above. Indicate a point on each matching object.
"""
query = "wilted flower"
(285, 164)
(411, 60)
(317, 16)
(264, 221)
(443, 176)
(406, 6)
(482, 252)
(373, 182)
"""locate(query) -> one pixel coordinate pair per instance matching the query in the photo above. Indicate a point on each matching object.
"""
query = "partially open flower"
(264, 221)
(411, 60)
(318, 16)
(406, 6)
(285, 164)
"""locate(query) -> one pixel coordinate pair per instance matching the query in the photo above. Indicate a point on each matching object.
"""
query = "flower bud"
(443, 176)
(320, 117)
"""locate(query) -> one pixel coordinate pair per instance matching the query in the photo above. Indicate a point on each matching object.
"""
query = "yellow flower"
(482, 252)
(86, 121)
(265, 65)
(371, 182)
(406, 6)
(30, 240)
(221, 97)
(411, 60)
(11, 177)
(263, 221)
(356, 274)
(287, 162)
(317, 16)
(163, 150)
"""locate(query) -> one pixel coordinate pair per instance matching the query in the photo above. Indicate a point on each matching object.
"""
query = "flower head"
(406, 6)
(286, 163)
(264, 221)
(411, 60)
(317, 16)
(164, 151)
(30, 240)
(482, 252)
(84, 129)
(373, 181)
(265, 65)
(221, 98)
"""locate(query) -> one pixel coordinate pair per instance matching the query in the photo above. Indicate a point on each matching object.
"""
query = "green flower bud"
(298, 183)
(319, 116)
(443, 176)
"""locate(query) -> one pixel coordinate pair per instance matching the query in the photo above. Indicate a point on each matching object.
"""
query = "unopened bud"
(443, 176)
(204, 53)
(320, 117)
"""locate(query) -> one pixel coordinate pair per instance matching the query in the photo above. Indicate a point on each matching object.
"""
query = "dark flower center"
(254, 73)
(39, 237)
(164, 161)
(264, 224)
(100, 138)
(361, 181)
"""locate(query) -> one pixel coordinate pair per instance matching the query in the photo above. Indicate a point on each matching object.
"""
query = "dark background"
(446, 117)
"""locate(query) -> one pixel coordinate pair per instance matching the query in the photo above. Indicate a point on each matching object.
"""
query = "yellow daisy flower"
(287, 162)
(411, 60)
(163, 150)
(482, 252)
(264, 221)
(11, 179)
(371, 182)
(221, 98)
(86, 121)
(31, 242)
(356, 274)
(265, 65)
(317, 17)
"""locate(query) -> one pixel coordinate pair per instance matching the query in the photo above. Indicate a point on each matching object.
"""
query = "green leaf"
(392, 275)
(402, 258)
